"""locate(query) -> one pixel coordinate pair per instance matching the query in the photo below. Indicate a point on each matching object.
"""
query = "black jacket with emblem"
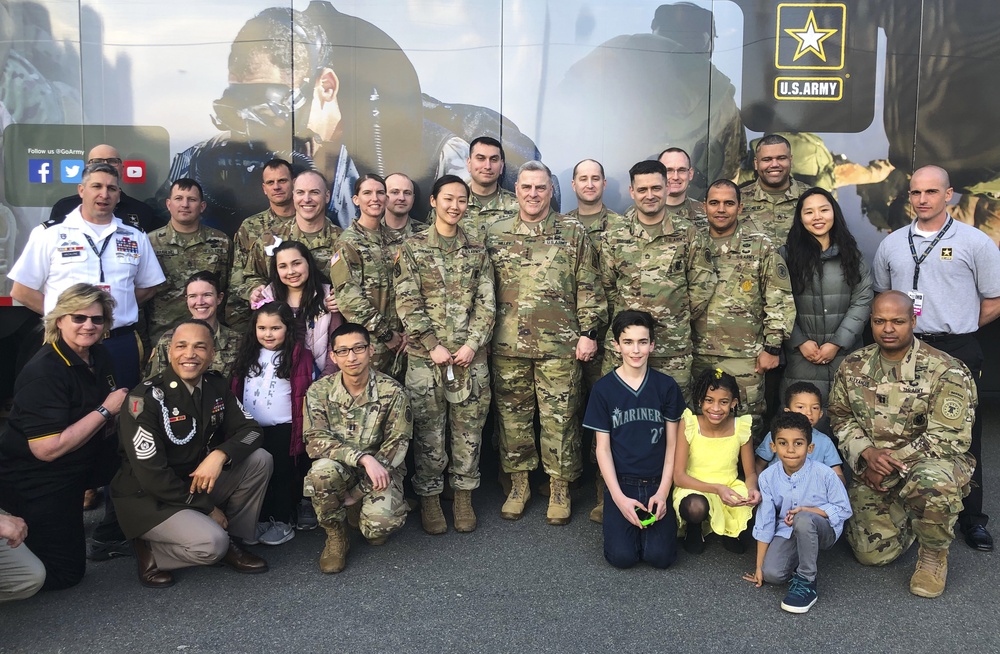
(154, 483)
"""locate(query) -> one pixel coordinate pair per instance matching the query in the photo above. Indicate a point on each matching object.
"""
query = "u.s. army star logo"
(951, 409)
(144, 444)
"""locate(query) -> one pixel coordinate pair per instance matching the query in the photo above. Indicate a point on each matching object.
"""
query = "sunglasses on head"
(79, 319)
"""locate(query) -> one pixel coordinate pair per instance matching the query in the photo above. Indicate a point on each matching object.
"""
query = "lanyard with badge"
(915, 295)
(99, 253)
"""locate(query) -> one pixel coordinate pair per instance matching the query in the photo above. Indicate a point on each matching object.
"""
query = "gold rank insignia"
(946, 254)
(746, 285)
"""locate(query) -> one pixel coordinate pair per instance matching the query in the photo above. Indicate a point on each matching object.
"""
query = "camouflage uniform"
(395, 237)
(484, 211)
(596, 225)
(361, 273)
(338, 430)
(255, 272)
(691, 211)
(226, 342)
(445, 297)
(765, 215)
(180, 256)
(923, 409)
(671, 276)
(238, 313)
(548, 292)
(752, 307)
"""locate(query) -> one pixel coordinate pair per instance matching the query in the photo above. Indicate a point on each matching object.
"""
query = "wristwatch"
(772, 350)
(592, 334)
(104, 413)
(385, 336)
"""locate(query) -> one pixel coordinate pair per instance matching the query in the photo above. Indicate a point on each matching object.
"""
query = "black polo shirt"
(54, 390)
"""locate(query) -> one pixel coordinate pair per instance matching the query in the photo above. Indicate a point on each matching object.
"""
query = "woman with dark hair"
(204, 296)
(60, 437)
(296, 280)
(832, 286)
(271, 375)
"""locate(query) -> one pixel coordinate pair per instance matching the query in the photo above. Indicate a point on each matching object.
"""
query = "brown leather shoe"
(243, 561)
(149, 575)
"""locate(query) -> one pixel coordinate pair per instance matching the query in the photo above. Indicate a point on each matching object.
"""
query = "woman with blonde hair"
(60, 438)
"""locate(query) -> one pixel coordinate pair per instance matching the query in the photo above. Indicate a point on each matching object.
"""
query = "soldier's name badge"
(946, 254)
(918, 302)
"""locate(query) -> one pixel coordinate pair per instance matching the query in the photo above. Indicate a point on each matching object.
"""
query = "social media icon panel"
(40, 171)
(135, 172)
(71, 171)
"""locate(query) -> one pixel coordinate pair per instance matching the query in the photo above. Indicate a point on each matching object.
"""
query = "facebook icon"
(40, 171)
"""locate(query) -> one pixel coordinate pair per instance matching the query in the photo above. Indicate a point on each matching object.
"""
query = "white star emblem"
(810, 38)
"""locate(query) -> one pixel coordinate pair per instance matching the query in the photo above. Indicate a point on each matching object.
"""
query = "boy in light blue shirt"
(804, 398)
(802, 510)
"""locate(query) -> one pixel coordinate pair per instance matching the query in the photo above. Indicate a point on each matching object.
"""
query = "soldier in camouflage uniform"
(769, 202)
(589, 184)
(397, 222)
(487, 202)
(550, 304)
(651, 263)
(752, 311)
(902, 412)
(679, 175)
(203, 299)
(277, 185)
(445, 299)
(361, 274)
(357, 427)
(310, 227)
(183, 247)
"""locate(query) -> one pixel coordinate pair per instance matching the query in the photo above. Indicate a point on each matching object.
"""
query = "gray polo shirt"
(961, 270)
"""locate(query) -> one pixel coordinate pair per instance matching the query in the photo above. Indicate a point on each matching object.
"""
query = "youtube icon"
(135, 172)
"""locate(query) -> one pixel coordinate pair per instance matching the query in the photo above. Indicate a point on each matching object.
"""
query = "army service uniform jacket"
(926, 413)
(547, 286)
(164, 437)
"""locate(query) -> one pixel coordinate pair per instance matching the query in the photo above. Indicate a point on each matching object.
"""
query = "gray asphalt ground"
(515, 587)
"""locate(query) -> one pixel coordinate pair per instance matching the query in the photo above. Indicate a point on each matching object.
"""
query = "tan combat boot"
(334, 556)
(465, 517)
(597, 513)
(559, 503)
(431, 516)
(931, 574)
(518, 498)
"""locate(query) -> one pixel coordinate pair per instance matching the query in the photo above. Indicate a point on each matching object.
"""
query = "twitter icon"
(71, 171)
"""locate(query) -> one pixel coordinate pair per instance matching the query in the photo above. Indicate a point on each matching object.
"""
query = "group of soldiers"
(511, 293)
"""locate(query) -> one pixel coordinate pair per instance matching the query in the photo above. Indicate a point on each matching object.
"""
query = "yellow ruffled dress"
(715, 461)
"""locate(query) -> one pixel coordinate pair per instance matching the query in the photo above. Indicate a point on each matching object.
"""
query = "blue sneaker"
(273, 532)
(801, 595)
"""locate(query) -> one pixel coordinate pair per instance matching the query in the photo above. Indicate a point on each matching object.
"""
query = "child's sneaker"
(273, 532)
(305, 516)
(801, 595)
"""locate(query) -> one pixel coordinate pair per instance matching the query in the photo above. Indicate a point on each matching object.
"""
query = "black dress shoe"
(978, 538)
(243, 561)
(149, 575)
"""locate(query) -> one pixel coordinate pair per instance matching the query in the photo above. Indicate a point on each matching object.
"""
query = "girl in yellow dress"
(708, 495)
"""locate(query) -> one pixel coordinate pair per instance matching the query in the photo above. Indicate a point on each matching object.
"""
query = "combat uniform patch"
(782, 271)
(746, 286)
(144, 444)
(135, 406)
(951, 409)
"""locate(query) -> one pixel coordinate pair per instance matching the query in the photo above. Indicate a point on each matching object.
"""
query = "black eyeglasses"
(357, 349)
(79, 319)
(114, 161)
